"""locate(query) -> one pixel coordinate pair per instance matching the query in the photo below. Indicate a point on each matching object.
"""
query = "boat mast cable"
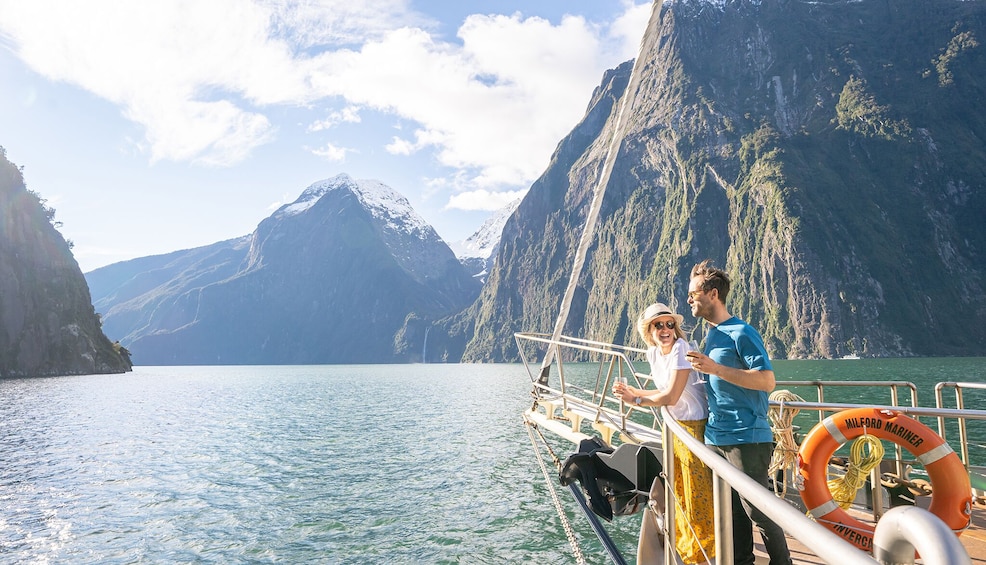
(619, 133)
(566, 525)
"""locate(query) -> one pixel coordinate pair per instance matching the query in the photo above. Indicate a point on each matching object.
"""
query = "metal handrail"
(612, 353)
(939, 412)
(893, 385)
(959, 404)
(961, 415)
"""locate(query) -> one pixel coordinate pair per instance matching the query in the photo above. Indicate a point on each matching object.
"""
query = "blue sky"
(164, 125)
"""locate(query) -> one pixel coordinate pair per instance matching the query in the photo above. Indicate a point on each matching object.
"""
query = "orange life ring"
(951, 498)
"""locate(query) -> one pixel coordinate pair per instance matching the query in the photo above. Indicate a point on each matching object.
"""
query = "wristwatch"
(637, 400)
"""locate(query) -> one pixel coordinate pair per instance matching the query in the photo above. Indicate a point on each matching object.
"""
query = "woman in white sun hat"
(682, 390)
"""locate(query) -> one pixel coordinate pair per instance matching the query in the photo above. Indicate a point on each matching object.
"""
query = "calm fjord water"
(302, 464)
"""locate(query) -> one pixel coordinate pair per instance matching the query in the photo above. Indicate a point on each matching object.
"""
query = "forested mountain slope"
(830, 156)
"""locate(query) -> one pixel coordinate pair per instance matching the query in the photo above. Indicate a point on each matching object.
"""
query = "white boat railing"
(608, 415)
(893, 387)
(940, 412)
(960, 405)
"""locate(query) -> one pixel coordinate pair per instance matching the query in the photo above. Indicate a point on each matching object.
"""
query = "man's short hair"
(712, 278)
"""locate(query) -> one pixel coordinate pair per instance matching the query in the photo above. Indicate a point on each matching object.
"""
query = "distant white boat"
(850, 356)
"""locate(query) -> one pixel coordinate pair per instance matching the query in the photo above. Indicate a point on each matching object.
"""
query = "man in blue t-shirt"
(740, 378)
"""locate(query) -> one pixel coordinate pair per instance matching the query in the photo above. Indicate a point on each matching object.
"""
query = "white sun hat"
(651, 313)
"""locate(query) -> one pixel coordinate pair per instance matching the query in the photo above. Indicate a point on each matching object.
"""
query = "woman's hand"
(625, 392)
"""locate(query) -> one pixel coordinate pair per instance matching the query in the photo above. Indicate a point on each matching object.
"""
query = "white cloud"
(499, 104)
(331, 152)
(628, 28)
(483, 200)
(400, 146)
(349, 114)
(422, 139)
(203, 78)
(187, 72)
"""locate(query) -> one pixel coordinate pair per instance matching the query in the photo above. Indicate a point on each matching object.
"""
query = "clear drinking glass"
(620, 379)
(693, 346)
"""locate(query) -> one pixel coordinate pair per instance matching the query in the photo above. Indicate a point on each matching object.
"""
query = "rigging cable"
(569, 532)
(651, 36)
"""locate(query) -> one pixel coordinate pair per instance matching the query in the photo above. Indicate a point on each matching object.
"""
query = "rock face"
(47, 322)
(829, 156)
(348, 273)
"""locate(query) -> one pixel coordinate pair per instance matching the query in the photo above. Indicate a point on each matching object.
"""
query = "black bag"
(611, 493)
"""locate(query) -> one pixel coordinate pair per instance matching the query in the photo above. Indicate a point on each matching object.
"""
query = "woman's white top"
(693, 404)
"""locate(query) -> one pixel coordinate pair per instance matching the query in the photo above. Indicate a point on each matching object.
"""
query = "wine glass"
(693, 346)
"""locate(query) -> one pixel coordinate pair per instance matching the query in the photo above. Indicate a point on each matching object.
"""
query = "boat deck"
(973, 539)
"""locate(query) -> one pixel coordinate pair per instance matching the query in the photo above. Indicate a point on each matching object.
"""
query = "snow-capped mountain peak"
(478, 252)
(383, 202)
(483, 243)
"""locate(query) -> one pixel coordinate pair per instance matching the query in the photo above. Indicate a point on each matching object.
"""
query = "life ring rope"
(860, 464)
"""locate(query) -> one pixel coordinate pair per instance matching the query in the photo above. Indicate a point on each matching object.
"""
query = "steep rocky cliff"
(47, 322)
(830, 156)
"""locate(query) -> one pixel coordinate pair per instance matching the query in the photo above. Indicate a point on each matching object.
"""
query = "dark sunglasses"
(662, 325)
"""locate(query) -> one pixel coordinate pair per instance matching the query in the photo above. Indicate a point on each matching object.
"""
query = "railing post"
(722, 496)
(670, 537)
(963, 432)
(876, 491)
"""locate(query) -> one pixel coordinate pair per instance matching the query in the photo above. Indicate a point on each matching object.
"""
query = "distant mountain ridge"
(348, 273)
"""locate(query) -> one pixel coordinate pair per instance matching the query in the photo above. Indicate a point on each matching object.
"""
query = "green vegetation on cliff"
(829, 156)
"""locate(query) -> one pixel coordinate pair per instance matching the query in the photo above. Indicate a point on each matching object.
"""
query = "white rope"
(785, 456)
(569, 532)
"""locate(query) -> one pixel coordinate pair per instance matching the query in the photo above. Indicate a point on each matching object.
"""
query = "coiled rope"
(569, 532)
(844, 488)
(785, 456)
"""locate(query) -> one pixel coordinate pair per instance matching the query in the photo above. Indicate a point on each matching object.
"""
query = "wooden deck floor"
(973, 539)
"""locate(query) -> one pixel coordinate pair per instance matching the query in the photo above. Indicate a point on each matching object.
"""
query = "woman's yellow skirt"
(694, 519)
